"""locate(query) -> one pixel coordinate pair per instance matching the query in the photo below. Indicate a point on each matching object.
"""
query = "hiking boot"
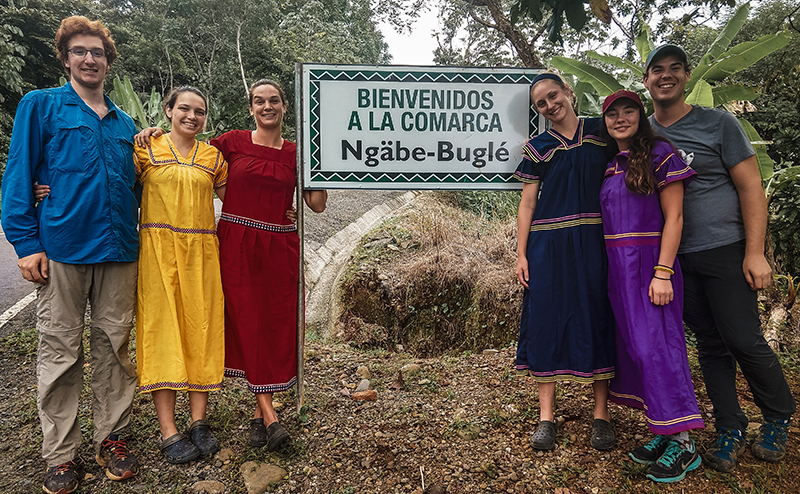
(725, 449)
(203, 438)
(771, 442)
(62, 479)
(545, 436)
(276, 435)
(603, 437)
(650, 452)
(119, 462)
(674, 464)
(257, 435)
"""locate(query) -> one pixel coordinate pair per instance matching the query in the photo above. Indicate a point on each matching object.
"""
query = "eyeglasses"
(82, 52)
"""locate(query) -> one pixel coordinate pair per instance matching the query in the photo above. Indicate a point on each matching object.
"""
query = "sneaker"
(650, 452)
(725, 449)
(674, 464)
(603, 437)
(545, 436)
(119, 462)
(771, 442)
(62, 479)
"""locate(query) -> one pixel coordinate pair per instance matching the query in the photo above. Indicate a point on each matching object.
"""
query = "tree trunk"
(777, 321)
(517, 38)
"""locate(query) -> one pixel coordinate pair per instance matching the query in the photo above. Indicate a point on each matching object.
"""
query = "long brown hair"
(639, 178)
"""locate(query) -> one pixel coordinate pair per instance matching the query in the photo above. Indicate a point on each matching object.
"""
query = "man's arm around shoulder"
(753, 202)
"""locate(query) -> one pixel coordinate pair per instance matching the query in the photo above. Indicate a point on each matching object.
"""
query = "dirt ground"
(458, 424)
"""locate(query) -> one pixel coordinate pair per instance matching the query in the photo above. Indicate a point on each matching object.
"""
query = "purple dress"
(652, 365)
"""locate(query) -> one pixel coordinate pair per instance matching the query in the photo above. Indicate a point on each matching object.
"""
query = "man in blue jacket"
(78, 245)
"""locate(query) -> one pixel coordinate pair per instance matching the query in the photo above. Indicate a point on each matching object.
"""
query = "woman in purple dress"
(642, 204)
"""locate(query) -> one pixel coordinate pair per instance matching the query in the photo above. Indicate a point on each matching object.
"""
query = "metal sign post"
(301, 289)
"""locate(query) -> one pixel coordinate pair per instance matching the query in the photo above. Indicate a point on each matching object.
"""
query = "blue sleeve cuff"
(27, 247)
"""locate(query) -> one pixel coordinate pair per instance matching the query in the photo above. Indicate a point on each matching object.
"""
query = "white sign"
(392, 127)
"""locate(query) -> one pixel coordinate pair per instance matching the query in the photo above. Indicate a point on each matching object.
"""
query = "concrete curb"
(324, 266)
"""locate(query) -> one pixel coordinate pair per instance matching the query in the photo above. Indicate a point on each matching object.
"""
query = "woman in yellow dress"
(180, 318)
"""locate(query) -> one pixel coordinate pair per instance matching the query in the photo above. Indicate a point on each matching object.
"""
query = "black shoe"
(603, 437)
(203, 438)
(119, 462)
(276, 435)
(178, 449)
(257, 436)
(674, 464)
(545, 436)
(62, 479)
(650, 452)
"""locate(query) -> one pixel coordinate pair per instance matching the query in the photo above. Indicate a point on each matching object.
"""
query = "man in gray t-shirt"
(722, 259)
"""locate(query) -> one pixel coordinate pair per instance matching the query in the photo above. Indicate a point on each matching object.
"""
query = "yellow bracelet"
(666, 269)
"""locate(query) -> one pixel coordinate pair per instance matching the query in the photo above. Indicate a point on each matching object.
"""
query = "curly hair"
(77, 25)
(639, 178)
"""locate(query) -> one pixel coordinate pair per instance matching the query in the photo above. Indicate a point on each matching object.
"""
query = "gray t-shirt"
(712, 142)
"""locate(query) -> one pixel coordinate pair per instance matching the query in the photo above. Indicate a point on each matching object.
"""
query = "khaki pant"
(110, 289)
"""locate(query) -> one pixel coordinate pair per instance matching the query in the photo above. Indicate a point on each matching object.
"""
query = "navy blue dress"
(567, 328)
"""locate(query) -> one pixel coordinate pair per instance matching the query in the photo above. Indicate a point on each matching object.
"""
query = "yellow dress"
(180, 314)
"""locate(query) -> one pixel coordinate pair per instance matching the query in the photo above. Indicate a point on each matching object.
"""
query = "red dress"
(259, 252)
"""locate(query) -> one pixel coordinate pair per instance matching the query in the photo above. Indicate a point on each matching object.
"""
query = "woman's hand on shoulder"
(142, 139)
(660, 292)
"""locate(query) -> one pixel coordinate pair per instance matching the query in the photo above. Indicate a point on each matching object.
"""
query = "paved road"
(344, 207)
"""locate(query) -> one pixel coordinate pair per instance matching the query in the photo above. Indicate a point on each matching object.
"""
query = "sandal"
(257, 436)
(603, 437)
(203, 438)
(545, 436)
(178, 449)
(276, 435)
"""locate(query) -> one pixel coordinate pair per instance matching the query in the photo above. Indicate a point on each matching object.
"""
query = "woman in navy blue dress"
(566, 328)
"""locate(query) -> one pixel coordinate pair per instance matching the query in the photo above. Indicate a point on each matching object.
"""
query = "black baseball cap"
(665, 51)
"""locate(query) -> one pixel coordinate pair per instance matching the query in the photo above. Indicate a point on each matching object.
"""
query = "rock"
(424, 381)
(382, 277)
(369, 395)
(411, 368)
(364, 385)
(399, 348)
(638, 437)
(224, 454)
(490, 351)
(208, 487)
(258, 477)
(363, 372)
(344, 392)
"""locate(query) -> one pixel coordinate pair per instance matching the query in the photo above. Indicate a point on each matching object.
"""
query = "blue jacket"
(91, 213)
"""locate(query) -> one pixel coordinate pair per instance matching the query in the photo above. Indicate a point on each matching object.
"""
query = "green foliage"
(491, 205)
(784, 205)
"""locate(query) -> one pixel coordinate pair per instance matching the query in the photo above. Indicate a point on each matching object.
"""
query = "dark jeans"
(722, 311)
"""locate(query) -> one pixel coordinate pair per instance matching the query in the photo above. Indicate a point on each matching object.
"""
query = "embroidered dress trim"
(166, 226)
(260, 225)
(531, 153)
(680, 424)
(528, 179)
(571, 375)
(180, 386)
(260, 388)
(632, 238)
(566, 221)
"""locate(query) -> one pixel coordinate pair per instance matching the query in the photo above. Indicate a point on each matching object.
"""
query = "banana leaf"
(604, 83)
(726, 35)
(745, 54)
(617, 62)
(734, 92)
(643, 43)
(702, 95)
(766, 167)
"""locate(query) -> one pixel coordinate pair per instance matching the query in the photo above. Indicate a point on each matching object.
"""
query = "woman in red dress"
(259, 251)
